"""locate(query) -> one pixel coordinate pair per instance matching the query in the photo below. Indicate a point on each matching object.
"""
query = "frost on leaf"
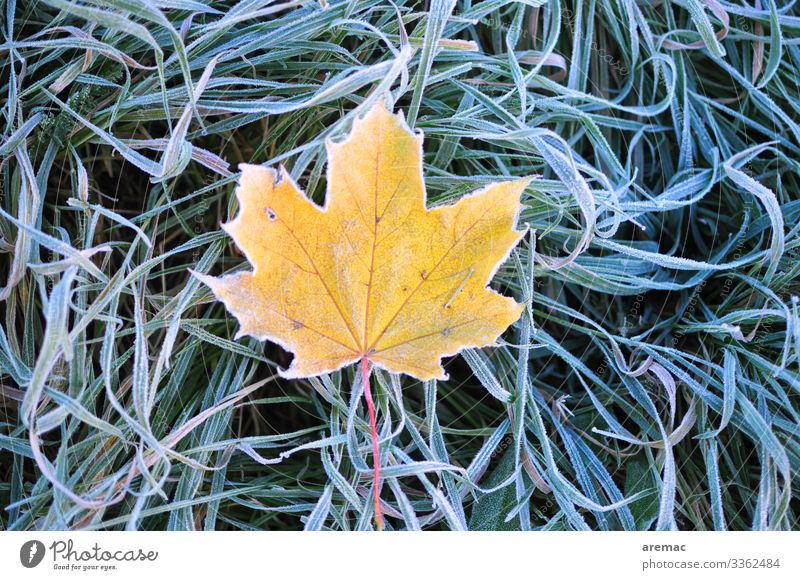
(373, 274)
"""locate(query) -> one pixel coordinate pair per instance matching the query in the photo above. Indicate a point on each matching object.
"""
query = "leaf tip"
(204, 278)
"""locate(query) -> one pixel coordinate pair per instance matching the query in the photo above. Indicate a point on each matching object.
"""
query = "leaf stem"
(376, 458)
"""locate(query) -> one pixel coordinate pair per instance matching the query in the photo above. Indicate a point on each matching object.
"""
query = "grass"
(652, 384)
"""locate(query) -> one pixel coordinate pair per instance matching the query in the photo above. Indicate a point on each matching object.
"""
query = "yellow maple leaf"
(374, 274)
